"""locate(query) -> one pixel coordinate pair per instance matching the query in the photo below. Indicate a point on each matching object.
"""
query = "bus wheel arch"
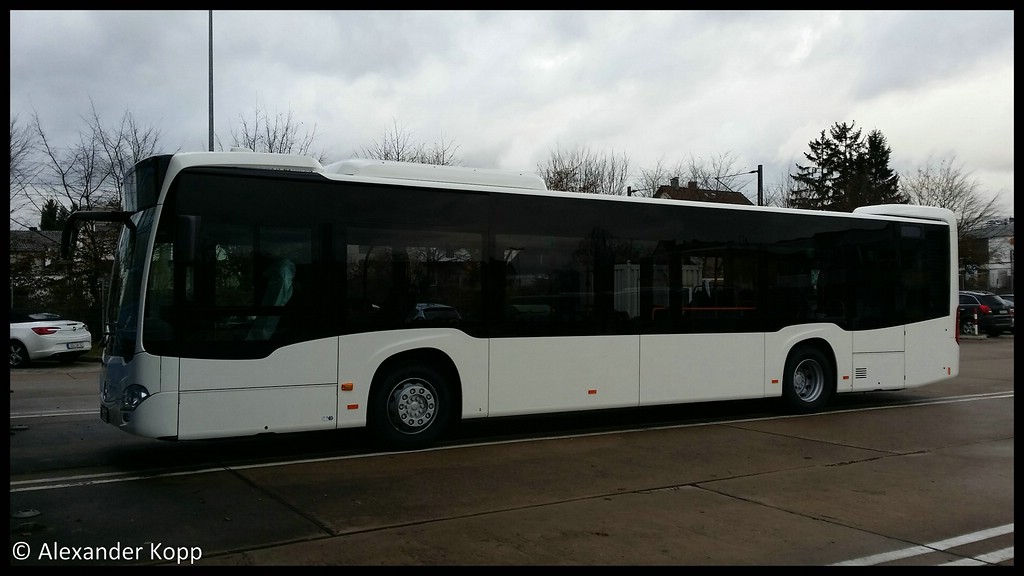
(809, 379)
(415, 396)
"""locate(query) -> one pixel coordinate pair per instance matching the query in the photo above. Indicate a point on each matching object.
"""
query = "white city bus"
(262, 293)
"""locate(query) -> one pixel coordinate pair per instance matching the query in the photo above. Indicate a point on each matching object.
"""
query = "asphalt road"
(922, 477)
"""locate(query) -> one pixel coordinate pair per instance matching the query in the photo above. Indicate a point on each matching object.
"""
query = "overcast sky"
(509, 87)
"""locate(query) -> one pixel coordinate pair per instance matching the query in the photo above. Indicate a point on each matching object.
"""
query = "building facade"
(987, 258)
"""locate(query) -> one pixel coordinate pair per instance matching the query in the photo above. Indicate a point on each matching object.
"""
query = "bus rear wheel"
(409, 408)
(808, 382)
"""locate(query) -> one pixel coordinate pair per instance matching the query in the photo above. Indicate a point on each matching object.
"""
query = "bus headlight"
(133, 396)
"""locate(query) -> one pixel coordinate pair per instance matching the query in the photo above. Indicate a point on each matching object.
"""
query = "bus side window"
(700, 298)
(280, 275)
(746, 298)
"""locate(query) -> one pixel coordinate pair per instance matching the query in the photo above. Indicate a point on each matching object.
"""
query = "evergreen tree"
(849, 184)
(813, 180)
(53, 216)
(883, 183)
(845, 172)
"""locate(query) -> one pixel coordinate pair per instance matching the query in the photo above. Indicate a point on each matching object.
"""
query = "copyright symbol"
(21, 550)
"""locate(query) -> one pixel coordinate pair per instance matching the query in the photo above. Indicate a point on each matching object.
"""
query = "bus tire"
(409, 408)
(809, 381)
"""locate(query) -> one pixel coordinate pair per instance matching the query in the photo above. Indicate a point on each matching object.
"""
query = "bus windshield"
(126, 285)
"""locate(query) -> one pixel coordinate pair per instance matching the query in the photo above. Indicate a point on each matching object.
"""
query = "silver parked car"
(44, 335)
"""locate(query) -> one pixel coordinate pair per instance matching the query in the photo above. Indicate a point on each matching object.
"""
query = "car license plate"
(75, 345)
(104, 414)
(1003, 312)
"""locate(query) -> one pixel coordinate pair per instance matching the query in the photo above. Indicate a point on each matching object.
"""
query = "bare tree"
(947, 185)
(781, 193)
(123, 146)
(76, 176)
(397, 144)
(26, 284)
(280, 134)
(441, 153)
(716, 173)
(88, 175)
(580, 170)
(651, 179)
(24, 170)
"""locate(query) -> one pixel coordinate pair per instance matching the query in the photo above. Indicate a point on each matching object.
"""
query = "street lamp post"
(760, 185)
(211, 80)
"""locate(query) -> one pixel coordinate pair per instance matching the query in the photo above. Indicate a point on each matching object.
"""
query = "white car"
(44, 335)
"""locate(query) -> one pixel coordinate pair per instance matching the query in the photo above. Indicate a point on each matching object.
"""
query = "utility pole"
(211, 80)
(760, 185)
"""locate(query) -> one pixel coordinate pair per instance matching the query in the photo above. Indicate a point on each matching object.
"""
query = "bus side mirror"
(69, 236)
(185, 249)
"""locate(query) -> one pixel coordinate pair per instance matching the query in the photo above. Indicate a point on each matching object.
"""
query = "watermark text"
(148, 552)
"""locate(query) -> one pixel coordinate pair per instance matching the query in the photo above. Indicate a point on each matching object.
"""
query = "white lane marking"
(933, 547)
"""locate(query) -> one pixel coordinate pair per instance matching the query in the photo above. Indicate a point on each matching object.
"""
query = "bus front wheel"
(808, 382)
(409, 408)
